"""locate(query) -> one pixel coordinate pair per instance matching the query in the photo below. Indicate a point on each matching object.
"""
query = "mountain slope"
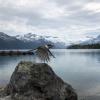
(28, 41)
(92, 41)
(41, 40)
(89, 44)
(8, 42)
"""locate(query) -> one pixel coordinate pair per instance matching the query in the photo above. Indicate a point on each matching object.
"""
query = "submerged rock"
(37, 81)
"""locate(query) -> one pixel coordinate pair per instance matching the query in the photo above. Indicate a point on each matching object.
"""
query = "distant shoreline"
(87, 46)
(15, 52)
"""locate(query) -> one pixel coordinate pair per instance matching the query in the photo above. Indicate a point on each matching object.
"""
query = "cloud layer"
(72, 20)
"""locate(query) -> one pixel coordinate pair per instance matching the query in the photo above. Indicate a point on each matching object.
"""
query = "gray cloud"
(69, 19)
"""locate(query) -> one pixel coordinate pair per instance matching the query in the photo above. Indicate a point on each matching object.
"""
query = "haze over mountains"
(28, 41)
(93, 43)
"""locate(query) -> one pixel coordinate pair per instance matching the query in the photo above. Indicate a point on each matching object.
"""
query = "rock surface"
(36, 81)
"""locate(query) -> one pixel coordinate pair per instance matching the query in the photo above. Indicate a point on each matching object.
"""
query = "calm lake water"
(80, 68)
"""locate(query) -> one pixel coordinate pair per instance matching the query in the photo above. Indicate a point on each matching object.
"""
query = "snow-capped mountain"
(30, 37)
(33, 37)
(6, 37)
(28, 41)
(9, 42)
(27, 37)
(92, 41)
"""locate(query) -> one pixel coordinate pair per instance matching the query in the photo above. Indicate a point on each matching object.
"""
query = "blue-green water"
(80, 68)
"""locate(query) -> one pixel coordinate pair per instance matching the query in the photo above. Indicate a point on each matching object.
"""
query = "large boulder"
(37, 81)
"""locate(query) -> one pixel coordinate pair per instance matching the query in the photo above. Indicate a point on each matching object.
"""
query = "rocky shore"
(36, 81)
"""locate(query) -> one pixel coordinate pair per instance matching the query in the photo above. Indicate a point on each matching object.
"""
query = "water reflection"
(80, 68)
(92, 53)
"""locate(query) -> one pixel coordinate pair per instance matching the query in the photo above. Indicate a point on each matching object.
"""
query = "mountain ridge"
(29, 41)
(95, 40)
(93, 43)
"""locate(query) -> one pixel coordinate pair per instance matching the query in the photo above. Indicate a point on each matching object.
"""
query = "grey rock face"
(37, 81)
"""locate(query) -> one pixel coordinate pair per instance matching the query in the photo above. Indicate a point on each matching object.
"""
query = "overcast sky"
(72, 20)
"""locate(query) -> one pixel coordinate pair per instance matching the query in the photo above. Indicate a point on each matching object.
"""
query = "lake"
(80, 68)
